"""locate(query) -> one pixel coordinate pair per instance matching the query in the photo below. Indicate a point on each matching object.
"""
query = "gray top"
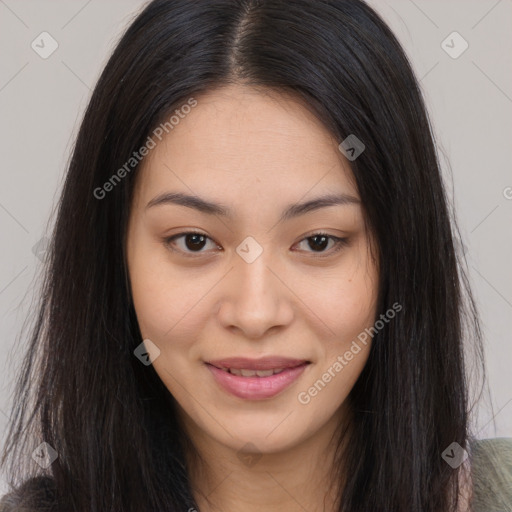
(492, 475)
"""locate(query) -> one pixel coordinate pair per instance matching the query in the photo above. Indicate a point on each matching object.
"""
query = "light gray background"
(469, 99)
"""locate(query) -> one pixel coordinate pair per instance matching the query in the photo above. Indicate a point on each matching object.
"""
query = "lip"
(265, 363)
(257, 388)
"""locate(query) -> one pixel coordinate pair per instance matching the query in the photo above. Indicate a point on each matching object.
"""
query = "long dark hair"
(109, 418)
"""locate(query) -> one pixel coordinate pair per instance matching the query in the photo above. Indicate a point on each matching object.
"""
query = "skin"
(256, 152)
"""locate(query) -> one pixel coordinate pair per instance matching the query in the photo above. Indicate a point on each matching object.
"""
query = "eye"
(194, 242)
(191, 242)
(318, 242)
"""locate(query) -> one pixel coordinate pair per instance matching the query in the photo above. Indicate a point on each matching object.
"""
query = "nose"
(255, 299)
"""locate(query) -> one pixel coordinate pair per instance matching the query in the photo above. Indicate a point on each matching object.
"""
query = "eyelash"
(339, 243)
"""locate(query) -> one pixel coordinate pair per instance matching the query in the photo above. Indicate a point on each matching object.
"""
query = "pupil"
(197, 241)
(322, 244)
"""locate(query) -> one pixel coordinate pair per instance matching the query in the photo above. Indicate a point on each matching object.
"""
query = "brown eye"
(190, 242)
(195, 242)
(319, 243)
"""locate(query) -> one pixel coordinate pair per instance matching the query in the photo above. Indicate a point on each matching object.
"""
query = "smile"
(256, 379)
(253, 373)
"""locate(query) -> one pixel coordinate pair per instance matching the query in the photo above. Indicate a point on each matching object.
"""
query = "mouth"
(256, 379)
(252, 373)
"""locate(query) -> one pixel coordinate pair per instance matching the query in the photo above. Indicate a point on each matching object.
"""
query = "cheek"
(348, 308)
(166, 305)
(150, 295)
(344, 298)
(160, 295)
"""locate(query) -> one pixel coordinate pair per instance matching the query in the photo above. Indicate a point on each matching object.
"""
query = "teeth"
(264, 373)
(253, 373)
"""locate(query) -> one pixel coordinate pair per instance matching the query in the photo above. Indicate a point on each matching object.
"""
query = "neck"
(300, 478)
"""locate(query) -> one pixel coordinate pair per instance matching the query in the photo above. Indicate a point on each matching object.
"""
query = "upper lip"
(265, 363)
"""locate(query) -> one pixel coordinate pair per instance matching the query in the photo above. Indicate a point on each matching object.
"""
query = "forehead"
(239, 139)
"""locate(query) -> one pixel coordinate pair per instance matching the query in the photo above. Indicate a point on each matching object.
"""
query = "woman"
(253, 300)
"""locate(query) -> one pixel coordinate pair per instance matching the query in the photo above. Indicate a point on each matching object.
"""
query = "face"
(246, 280)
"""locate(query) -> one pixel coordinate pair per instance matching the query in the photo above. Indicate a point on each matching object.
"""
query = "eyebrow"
(211, 208)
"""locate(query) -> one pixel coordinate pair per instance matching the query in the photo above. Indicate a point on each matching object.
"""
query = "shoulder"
(37, 494)
(491, 463)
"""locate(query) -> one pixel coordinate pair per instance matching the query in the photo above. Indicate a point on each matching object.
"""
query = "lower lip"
(256, 388)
